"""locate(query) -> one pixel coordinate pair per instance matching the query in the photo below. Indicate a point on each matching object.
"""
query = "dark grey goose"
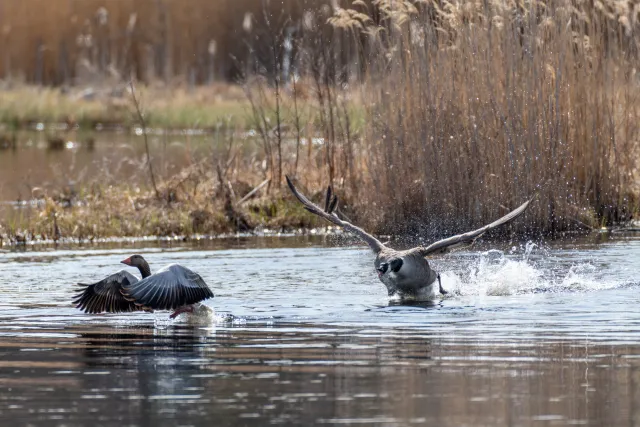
(174, 287)
(406, 274)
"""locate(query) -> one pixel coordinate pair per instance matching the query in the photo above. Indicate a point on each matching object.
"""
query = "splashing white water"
(492, 273)
(584, 277)
(495, 273)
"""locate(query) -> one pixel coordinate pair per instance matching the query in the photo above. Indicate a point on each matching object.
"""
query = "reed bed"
(474, 107)
(100, 42)
(433, 117)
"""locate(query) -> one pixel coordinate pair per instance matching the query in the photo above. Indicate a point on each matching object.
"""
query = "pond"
(66, 159)
(304, 334)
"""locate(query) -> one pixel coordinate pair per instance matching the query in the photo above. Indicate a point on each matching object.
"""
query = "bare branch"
(143, 123)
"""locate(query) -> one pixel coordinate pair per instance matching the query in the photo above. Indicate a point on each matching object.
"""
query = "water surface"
(53, 161)
(305, 335)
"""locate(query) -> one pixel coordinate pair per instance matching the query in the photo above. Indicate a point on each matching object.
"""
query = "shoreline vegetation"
(428, 119)
(102, 107)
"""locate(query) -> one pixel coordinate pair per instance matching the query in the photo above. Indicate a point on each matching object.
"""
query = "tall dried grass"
(474, 106)
(64, 41)
(469, 107)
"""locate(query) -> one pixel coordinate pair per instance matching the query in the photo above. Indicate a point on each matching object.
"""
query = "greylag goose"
(174, 287)
(406, 274)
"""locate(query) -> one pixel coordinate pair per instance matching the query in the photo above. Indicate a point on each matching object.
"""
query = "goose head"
(392, 266)
(140, 263)
(388, 273)
(134, 261)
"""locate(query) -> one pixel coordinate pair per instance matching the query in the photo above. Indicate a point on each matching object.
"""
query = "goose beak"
(126, 261)
(382, 269)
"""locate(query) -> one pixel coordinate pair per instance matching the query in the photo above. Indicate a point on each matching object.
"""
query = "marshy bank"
(90, 191)
(96, 187)
(428, 119)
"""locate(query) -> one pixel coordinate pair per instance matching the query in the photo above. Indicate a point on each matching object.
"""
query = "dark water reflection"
(307, 337)
(299, 375)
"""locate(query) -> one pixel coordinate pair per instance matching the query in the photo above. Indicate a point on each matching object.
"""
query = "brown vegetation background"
(54, 41)
(427, 117)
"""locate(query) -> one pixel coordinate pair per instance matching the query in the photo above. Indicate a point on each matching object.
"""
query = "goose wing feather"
(471, 236)
(375, 245)
(106, 296)
(168, 289)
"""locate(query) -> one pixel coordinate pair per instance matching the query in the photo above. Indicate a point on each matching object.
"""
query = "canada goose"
(406, 274)
(174, 287)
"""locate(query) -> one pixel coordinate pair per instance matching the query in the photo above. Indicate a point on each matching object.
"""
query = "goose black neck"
(145, 271)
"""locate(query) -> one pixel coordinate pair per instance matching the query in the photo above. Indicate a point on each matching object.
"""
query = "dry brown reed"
(90, 41)
(469, 107)
(473, 107)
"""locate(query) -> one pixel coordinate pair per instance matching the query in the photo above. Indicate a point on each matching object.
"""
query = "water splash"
(584, 277)
(523, 271)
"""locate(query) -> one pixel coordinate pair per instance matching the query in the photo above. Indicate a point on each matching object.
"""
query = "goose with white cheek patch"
(174, 287)
(406, 274)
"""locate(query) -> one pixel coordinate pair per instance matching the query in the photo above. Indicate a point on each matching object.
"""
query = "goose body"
(173, 287)
(406, 274)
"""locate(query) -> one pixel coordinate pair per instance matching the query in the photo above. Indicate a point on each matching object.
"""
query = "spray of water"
(522, 270)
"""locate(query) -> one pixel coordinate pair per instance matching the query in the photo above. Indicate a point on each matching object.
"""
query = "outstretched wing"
(330, 205)
(105, 295)
(468, 238)
(172, 287)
